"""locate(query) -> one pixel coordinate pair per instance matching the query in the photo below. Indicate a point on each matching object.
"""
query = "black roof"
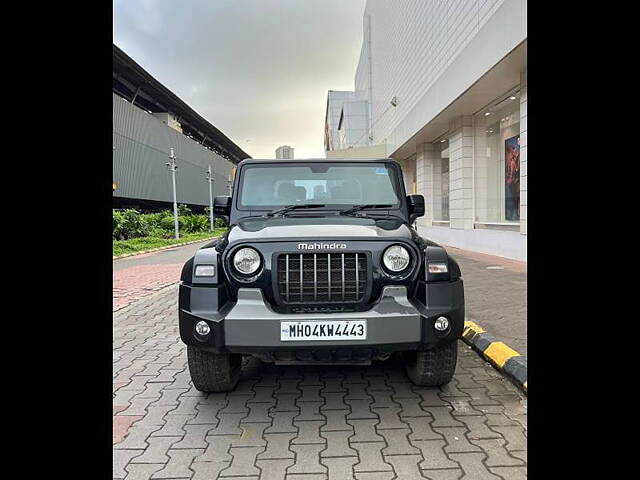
(131, 81)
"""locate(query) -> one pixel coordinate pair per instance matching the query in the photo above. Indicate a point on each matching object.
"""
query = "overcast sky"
(257, 70)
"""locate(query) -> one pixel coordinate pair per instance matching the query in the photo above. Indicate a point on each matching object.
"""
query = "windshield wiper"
(357, 208)
(288, 208)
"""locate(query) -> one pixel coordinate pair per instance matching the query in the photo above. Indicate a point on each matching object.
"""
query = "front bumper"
(250, 325)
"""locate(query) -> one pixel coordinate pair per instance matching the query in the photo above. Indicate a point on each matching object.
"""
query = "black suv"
(320, 265)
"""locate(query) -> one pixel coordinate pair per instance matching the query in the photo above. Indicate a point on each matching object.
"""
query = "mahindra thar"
(321, 264)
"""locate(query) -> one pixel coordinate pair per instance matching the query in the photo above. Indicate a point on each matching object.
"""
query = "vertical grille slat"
(317, 278)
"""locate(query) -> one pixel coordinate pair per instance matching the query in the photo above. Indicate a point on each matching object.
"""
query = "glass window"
(497, 161)
(329, 184)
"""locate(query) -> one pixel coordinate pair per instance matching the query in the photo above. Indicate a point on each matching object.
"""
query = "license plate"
(329, 330)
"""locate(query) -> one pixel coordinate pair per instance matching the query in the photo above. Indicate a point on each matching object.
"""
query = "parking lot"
(300, 422)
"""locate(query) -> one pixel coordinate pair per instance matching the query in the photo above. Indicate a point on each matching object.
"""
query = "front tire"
(432, 368)
(213, 372)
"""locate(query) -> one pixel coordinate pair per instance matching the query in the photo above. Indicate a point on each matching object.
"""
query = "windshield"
(331, 184)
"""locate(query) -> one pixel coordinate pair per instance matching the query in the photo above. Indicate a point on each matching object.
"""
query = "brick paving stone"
(510, 473)
(120, 460)
(173, 426)
(374, 475)
(308, 432)
(274, 469)
(498, 456)
(421, 429)
(457, 441)
(382, 399)
(217, 449)
(282, 423)
(514, 436)
(443, 418)
(229, 424)
(309, 411)
(473, 466)
(433, 455)
(307, 460)
(365, 431)
(477, 427)
(142, 471)
(397, 442)
(277, 446)
(336, 421)
(340, 468)
(370, 457)
(451, 474)
(121, 424)
(243, 462)
(258, 413)
(306, 476)
(334, 401)
(360, 409)
(178, 465)
(389, 418)
(289, 403)
(303, 423)
(136, 438)
(337, 445)
(156, 452)
(252, 435)
(405, 466)
(194, 437)
(208, 470)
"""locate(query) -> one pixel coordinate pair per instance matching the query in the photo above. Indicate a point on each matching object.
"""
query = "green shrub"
(219, 223)
(166, 223)
(194, 223)
(129, 224)
(183, 210)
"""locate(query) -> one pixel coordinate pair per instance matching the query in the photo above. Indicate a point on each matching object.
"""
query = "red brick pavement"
(139, 281)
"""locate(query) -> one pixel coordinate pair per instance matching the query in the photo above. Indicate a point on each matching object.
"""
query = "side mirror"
(222, 205)
(415, 204)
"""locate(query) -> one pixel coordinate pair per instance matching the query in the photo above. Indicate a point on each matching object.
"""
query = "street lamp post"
(210, 182)
(229, 183)
(171, 165)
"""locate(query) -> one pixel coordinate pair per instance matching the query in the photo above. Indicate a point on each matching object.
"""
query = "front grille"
(322, 277)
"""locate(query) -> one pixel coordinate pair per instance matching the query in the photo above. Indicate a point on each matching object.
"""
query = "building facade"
(285, 152)
(149, 121)
(443, 85)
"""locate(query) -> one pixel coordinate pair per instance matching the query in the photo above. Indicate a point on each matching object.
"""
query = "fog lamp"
(441, 324)
(202, 328)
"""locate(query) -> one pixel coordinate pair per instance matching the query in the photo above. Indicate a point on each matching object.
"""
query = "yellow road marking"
(499, 353)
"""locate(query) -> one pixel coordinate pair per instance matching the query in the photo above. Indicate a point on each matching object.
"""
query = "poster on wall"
(512, 178)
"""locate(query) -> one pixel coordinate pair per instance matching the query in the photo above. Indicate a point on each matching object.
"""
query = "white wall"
(415, 42)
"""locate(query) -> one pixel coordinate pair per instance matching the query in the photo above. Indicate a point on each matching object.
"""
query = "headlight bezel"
(390, 271)
(237, 275)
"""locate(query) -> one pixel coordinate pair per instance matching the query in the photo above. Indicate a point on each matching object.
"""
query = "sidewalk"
(495, 290)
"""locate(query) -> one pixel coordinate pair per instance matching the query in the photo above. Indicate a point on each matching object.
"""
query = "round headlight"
(396, 258)
(246, 261)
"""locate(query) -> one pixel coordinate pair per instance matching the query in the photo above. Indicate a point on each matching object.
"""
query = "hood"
(312, 228)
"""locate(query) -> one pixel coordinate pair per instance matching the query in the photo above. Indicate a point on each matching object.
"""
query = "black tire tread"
(433, 368)
(213, 372)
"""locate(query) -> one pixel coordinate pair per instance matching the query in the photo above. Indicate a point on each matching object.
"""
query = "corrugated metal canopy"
(133, 82)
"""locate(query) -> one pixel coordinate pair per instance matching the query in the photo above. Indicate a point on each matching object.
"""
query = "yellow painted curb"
(473, 326)
(499, 353)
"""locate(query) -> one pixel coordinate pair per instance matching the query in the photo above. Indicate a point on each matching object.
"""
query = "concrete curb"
(133, 254)
(504, 358)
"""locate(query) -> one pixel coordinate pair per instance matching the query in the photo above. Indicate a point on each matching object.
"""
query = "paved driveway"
(364, 423)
